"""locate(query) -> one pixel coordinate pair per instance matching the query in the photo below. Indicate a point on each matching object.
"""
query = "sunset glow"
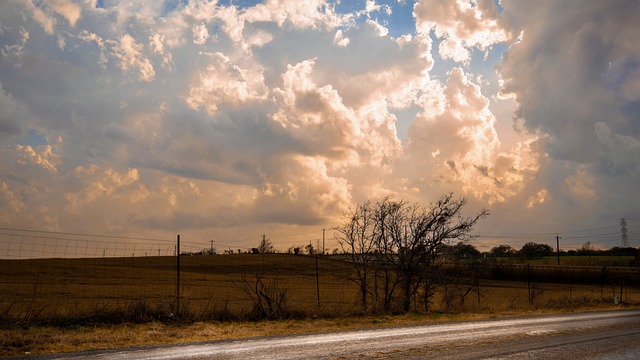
(226, 120)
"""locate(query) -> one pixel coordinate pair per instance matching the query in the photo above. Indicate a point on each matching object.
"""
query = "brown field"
(53, 305)
(34, 290)
(576, 260)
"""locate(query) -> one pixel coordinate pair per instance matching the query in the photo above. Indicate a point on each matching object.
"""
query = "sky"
(226, 120)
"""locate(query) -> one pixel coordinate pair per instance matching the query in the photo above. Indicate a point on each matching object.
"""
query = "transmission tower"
(623, 233)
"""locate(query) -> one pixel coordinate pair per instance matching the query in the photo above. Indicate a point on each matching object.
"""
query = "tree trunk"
(363, 291)
(406, 289)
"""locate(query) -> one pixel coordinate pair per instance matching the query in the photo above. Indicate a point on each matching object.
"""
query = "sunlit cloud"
(226, 121)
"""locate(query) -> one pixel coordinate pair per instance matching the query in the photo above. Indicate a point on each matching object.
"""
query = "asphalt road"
(596, 335)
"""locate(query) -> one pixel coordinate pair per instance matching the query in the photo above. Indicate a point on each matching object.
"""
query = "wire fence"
(30, 244)
(47, 276)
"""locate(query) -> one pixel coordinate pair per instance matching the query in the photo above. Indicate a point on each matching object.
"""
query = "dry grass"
(48, 290)
(54, 340)
(63, 305)
(584, 260)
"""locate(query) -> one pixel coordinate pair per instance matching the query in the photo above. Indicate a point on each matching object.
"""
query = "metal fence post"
(178, 276)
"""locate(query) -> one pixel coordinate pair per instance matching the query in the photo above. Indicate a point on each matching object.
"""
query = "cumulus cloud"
(621, 153)
(462, 25)
(573, 74)
(304, 14)
(593, 77)
(130, 54)
(454, 143)
(200, 34)
(43, 157)
(222, 119)
(224, 82)
(68, 9)
(285, 194)
(13, 114)
(572, 82)
(317, 116)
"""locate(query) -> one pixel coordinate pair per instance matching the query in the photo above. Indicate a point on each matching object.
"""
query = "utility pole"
(323, 242)
(558, 247)
(211, 252)
(624, 233)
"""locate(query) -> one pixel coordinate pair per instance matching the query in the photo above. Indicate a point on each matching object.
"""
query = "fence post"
(178, 276)
(317, 280)
(529, 284)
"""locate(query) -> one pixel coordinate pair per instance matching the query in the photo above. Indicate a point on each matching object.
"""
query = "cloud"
(224, 82)
(454, 144)
(13, 114)
(621, 154)
(317, 117)
(216, 120)
(582, 81)
(131, 57)
(43, 157)
(302, 14)
(13, 53)
(568, 85)
(41, 17)
(573, 74)
(14, 204)
(68, 9)
(395, 69)
(287, 194)
(200, 34)
(462, 26)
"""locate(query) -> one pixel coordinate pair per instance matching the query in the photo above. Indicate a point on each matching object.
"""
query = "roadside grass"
(43, 340)
(63, 305)
(498, 299)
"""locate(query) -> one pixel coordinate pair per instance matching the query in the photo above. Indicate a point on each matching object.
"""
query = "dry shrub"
(574, 302)
(268, 298)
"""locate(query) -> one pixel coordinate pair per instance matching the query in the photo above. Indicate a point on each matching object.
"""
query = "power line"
(610, 227)
(623, 233)
(82, 234)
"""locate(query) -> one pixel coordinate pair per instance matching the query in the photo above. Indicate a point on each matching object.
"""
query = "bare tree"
(407, 236)
(427, 230)
(357, 238)
(265, 246)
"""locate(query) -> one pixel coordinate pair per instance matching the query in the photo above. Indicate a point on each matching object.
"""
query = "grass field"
(575, 260)
(43, 297)
(51, 289)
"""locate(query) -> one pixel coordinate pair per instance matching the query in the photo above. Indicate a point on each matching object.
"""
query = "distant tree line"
(459, 250)
(532, 250)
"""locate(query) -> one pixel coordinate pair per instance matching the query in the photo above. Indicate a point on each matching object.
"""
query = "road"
(596, 335)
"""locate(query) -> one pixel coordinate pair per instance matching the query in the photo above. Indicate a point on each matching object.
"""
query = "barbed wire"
(34, 243)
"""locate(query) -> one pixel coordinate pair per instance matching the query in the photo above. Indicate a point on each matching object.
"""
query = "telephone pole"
(623, 233)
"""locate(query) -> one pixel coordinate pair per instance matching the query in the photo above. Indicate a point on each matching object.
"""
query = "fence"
(562, 274)
(46, 277)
